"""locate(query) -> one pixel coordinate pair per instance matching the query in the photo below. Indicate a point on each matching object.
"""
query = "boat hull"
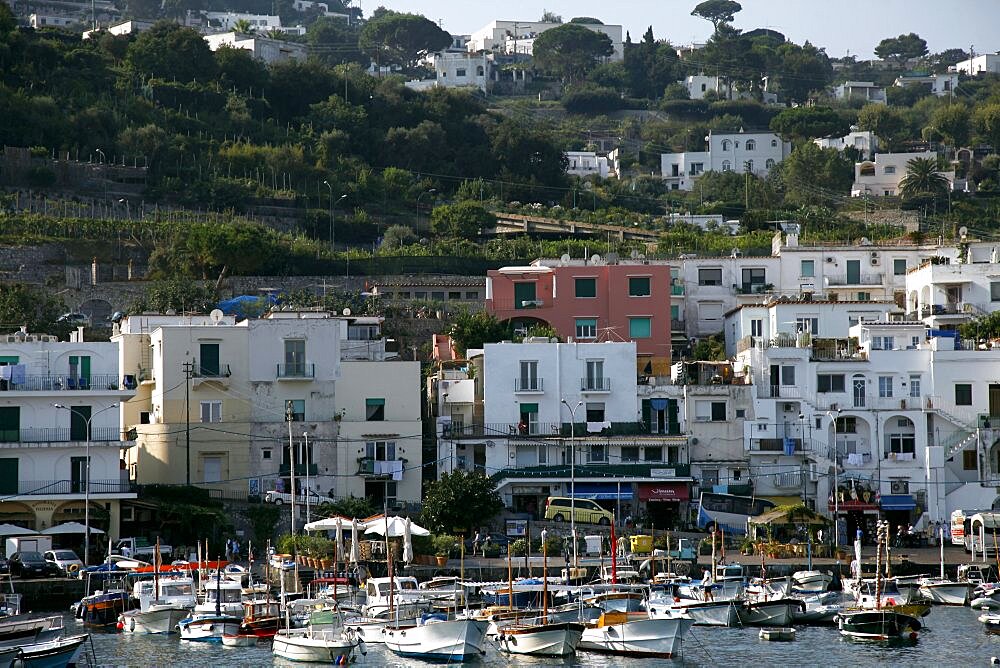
(53, 654)
(239, 640)
(654, 638)
(878, 626)
(542, 640)
(8, 655)
(951, 593)
(718, 613)
(298, 645)
(155, 620)
(209, 628)
(453, 640)
(104, 609)
(811, 581)
(770, 613)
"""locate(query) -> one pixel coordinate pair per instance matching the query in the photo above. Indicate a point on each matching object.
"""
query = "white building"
(698, 85)
(459, 70)
(131, 27)
(43, 448)
(753, 152)
(519, 36)
(587, 163)
(263, 48)
(39, 21)
(946, 295)
(937, 84)
(228, 20)
(880, 177)
(863, 141)
(861, 90)
(986, 63)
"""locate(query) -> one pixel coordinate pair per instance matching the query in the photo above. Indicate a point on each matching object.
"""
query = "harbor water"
(952, 635)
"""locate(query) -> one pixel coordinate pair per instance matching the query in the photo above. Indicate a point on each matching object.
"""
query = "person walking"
(706, 585)
(236, 551)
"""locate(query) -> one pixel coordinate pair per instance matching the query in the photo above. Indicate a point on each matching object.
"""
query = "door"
(860, 389)
(994, 400)
(775, 380)
(8, 475)
(854, 272)
(524, 292)
(78, 474)
(10, 424)
(212, 469)
(209, 359)
(79, 419)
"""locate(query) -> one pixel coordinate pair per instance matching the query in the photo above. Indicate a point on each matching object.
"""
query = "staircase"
(965, 436)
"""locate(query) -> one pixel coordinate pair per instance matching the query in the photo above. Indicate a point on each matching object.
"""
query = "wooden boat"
(261, 618)
(635, 634)
(239, 640)
(437, 639)
(57, 653)
(556, 639)
(878, 625)
(780, 634)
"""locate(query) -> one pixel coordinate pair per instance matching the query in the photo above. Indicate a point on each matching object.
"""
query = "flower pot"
(442, 560)
(326, 564)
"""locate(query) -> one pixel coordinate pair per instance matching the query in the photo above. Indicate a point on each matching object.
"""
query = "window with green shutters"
(586, 328)
(586, 287)
(10, 424)
(8, 475)
(639, 328)
(524, 295)
(638, 286)
(209, 365)
(79, 421)
(375, 410)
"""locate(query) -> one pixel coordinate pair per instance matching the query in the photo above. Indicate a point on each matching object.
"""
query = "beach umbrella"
(338, 540)
(355, 545)
(407, 543)
(395, 527)
(13, 530)
(69, 527)
(325, 524)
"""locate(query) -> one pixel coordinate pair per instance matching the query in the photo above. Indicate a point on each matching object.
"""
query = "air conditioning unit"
(874, 261)
(899, 487)
(830, 259)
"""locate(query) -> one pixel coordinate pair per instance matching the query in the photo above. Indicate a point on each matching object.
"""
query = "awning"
(898, 502)
(658, 404)
(663, 491)
(784, 500)
(603, 491)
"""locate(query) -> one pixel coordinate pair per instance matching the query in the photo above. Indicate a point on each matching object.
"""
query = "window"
(751, 145)
(675, 313)
(295, 357)
(528, 379)
(460, 72)
(630, 453)
(741, 413)
(725, 144)
(808, 325)
(638, 286)
(676, 285)
(915, 386)
(753, 280)
(899, 267)
(595, 375)
(969, 460)
(297, 409)
(807, 268)
(883, 342)
(889, 169)
(211, 411)
(586, 287)
(830, 382)
(472, 294)
(727, 166)
(437, 296)
(529, 418)
(381, 451)
(375, 410)
(864, 296)
(209, 365)
(748, 166)
(774, 143)
(597, 453)
(639, 328)
(586, 328)
(885, 387)
(265, 453)
(757, 327)
(454, 295)
(524, 295)
(995, 291)
(653, 453)
(902, 443)
(788, 375)
(847, 425)
(697, 168)
(710, 277)
(963, 394)
(595, 411)
(769, 163)
(386, 295)
(718, 411)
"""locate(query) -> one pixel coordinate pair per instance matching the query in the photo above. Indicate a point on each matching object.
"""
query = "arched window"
(726, 167)
(479, 71)
(751, 145)
(770, 163)
(867, 169)
(725, 144)
(774, 143)
(748, 166)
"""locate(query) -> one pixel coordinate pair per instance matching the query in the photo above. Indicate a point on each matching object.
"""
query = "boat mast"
(880, 530)
(156, 572)
(545, 577)
(510, 580)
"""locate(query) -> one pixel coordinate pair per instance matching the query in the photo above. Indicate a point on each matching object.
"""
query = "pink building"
(621, 301)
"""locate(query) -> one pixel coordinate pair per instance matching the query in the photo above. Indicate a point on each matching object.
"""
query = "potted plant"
(442, 547)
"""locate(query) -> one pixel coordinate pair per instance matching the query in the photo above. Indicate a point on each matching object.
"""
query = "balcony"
(549, 430)
(300, 469)
(66, 487)
(594, 384)
(786, 480)
(369, 467)
(209, 372)
(520, 304)
(653, 470)
(59, 435)
(963, 309)
(905, 458)
(297, 371)
(861, 279)
(528, 385)
(788, 446)
(768, 391)
(50, 383)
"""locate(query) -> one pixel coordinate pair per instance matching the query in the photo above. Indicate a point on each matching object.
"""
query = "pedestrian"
(236, 551)
(486, 544)
(706, 585)
(621, 546)
(229, 550)
(859, 535)
(126, 551)
(475, 543)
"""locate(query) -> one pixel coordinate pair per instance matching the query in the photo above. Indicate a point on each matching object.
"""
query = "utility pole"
(291, 457)
(188, 372)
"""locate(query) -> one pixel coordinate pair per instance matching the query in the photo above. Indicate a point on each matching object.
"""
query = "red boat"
(261, 618)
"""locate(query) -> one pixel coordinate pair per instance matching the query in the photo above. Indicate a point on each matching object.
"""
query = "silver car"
(65, 560)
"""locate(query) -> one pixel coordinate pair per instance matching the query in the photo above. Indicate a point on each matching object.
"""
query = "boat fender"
(131, 623)
(73, 568)
(120, 625)
(890, 601)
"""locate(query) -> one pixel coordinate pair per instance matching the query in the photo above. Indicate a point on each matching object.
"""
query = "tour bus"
(729, 512)
(958, 526)
(982, 533)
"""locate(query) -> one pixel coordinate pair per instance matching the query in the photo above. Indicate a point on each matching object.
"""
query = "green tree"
(810, 123)
(885, 122)
(239, 69)
(922, 179)
(471, 329)
(954, 123)
(397, 236)
(550, 17)
(353, 507)
(169, 51)
(901, 48)
(802, 70)
(717, 12)
(987, 122)
(586, 20)
(22, 304)
(815, 176)
(651, 66)
(176, 294)
(401, 39)
(462, 219)
(333, 41)
(570, 51)
(710, 348)
(243, 27)
(460, 501)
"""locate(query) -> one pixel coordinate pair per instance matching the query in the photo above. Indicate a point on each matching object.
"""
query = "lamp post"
(86, 476)
(305, 436)
(333, 221)
(836, 480)
(103, 157)
(572, 474)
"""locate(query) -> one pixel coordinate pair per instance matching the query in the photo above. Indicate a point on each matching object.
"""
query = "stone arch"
(867, 168)
(19, 514)
(99, 310)
(73, 511)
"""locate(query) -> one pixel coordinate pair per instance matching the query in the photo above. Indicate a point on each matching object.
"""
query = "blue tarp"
(246, 306)
(898, 502)
(602, 491)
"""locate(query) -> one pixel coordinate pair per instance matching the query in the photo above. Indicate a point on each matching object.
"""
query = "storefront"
(899, 512)
(614, 496)
(529, 499)
(665, 503)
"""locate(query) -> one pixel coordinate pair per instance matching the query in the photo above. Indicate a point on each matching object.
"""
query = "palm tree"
(243, 27)
(922, 178)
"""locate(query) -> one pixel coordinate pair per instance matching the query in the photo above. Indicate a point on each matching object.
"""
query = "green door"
(209, 359)
(8, 475)
(77, 474)
(524, 292)
(78, 419)
(854, 272)
(10, 424)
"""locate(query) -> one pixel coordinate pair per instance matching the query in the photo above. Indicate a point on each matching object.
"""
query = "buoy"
(120, 625)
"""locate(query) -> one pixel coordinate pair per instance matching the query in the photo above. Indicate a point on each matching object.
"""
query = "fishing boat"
(163, 602)
(878, 625)
(260, 618)
(56, 653)
(819, 609)
(317, 645)
(239, 640)
(811, 581)
(991, 622)
(103, 607)
(436, 638)
(221, 593)
(636, 634)
(785, 634)
(398, 595)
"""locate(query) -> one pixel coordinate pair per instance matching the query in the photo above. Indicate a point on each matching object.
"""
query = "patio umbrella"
(407, 543)
(396, 527)
(12, 530)
(69, 527)
(355, 545)
(338, 540)
(325, 524)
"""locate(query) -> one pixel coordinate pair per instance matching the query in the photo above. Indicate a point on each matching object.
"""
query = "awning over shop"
(898, 502)
(603, 491)
(663, 491)
(784, 500)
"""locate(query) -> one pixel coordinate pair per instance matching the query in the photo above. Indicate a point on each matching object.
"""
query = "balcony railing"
(58, 435)
(862, 279)
(594, 384)
(297, 371)
(768, 391)
(50, 383)
(528, 384)
(548, 429)
(220, 371)
(778, 445)
(300, 469)
(371, 467)
(58, 487)
(954, 308)
(787, 480)
(520, 304)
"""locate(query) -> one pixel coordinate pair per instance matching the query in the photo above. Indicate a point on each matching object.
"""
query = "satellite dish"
(963, 231)
(612, 258)
(216, 316)
(865, 241)
(634, 255)
(595, 259)
(346, 312)
(565, 258)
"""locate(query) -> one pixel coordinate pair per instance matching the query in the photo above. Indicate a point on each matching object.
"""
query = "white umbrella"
(325, 524)
(69, 527)
(355, 545)
(13, 530)
(339, 539)
(407, 543)
(396, 527)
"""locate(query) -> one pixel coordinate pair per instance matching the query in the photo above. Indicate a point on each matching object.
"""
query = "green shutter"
(374, 402)
(529, 408)
(524, 292)
(10, 424)
(9, 359)
(647, 415)
(638, 328)
(8, 475)
(78, 418)
(586, 287)
(209, 359)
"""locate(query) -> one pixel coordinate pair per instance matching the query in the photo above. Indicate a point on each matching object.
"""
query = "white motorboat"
(636, 635)
(945, 592)
(991, 622)
(395, 598)
(20, 629)
(209, 627)
(811, 581)
(728, 584)
(163, 602)
(368, 629)
(330, 645)
(557, 639)
(779, 612)
(53, 653)
(704, 613)
(221, 596)
(437, 639)
(819, 609)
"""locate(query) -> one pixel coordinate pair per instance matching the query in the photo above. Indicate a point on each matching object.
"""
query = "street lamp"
(86, 476)
(103, 157)
(572, 474)
(836, 480)
(305, 435)
(333, 204)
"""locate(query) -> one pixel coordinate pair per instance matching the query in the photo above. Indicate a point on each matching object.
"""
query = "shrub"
(592, 100)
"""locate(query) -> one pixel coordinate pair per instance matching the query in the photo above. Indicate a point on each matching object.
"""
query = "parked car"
(274, 496)
(561, 508)
(496, 538)
(31, 564)
(4, 566)
(74, 319)
(65, 560)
